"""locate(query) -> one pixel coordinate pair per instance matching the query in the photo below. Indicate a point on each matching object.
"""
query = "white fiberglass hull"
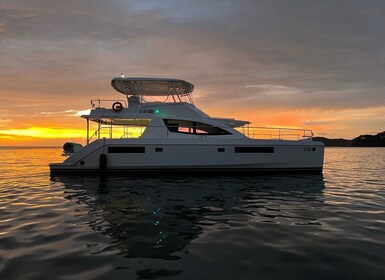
(209, 155)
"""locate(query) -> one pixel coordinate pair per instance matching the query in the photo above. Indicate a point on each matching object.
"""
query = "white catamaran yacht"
(135, 135)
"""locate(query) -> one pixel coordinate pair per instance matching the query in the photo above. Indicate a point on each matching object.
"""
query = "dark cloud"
(323, 53)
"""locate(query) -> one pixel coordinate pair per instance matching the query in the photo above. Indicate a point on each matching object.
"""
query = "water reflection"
(157, 217)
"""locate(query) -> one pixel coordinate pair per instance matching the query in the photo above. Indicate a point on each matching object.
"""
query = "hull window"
(118, 150)
(263, 150)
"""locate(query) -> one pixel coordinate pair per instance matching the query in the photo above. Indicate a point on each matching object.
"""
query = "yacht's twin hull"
(148, 156)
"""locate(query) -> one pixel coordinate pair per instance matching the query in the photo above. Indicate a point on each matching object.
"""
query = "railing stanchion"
(88, 131)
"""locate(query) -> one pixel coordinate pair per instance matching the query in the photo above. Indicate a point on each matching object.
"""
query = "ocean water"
(329, 226)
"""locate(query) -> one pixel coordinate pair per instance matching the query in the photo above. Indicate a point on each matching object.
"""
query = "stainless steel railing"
(280, 133)
(106, 103)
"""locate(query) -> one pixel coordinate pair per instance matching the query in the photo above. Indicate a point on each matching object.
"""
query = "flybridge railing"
(280, 133)
(106, 103)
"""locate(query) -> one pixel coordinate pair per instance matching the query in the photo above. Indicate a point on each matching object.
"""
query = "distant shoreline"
(365, 140)
(340, 142)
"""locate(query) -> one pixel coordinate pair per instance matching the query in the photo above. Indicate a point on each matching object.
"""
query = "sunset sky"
(302, 63)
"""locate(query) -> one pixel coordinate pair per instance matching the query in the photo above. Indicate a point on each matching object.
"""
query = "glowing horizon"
(319, 123)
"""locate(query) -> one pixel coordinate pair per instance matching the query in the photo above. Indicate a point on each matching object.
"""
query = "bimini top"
(152, 86)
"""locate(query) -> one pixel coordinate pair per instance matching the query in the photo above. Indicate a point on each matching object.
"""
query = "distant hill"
(366, 140)
(334, 142)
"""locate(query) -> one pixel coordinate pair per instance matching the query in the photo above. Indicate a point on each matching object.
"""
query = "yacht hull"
(146, 156)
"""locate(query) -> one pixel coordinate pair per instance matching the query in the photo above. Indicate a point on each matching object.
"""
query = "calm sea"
(329, 226)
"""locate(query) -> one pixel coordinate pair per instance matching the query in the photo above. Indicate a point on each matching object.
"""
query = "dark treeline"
(366, 140)
(334, 142)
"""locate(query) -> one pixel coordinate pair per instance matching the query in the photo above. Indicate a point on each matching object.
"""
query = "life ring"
(117, 106)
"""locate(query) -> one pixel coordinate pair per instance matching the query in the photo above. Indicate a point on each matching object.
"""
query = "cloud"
(70, 112)
(4, 122)
(273, 90)
(2, 27)
(81, 113)
(317, 123)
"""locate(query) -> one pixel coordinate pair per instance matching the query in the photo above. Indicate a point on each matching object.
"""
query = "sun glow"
(42, 132)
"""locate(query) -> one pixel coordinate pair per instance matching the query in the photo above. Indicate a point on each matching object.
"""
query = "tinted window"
(254, 149)
(189, 127)
(116, 150)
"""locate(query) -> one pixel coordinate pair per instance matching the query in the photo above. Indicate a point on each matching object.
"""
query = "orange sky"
(274, 63)
(56, 127)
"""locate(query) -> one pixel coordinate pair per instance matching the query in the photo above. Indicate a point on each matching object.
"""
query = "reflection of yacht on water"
(159, 217)
(175, 136)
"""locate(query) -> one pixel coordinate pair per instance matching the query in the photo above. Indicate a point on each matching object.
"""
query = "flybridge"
(140, 87)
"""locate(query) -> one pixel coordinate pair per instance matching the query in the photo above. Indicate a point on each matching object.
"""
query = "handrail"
(279, 132)
(92, 136)
(258, 132)
(96, 103)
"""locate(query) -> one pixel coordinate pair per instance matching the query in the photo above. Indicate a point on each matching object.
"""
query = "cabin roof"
(151, 86)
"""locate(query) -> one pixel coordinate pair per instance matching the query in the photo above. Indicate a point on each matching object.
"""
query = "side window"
(197, 128)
